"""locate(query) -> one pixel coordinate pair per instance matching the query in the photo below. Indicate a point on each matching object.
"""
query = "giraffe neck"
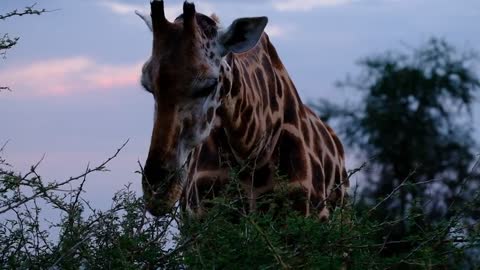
(264, 124)
(252, 112)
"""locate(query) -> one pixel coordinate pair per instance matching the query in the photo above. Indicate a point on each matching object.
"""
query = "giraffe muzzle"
(162, 203)
(161, 189)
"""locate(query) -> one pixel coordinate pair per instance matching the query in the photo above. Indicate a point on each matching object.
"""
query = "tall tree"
(414, 118)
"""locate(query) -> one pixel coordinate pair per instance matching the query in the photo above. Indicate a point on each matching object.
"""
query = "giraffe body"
(224, 98)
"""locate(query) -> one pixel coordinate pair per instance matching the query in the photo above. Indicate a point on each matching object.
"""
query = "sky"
(75, 72)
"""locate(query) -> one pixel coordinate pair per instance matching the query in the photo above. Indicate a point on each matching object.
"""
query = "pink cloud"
(69, 76)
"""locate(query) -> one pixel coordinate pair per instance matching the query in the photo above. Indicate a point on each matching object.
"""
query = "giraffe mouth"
(162, 203)
(162, 193)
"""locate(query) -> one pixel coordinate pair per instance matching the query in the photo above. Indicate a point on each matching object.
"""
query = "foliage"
(227, 236)
(123, 237)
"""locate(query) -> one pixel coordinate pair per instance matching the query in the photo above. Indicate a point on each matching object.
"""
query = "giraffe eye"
(205, 91)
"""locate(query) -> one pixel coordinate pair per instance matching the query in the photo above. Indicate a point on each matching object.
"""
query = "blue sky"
(75, 71)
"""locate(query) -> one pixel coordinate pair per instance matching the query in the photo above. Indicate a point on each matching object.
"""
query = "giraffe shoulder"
(323, 134)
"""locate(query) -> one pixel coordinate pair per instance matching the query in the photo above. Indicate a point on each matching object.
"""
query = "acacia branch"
(402, 184)
(29, 10)
(6, 42)
(40, 188)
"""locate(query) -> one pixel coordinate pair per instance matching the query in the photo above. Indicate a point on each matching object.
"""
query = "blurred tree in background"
(414, 121)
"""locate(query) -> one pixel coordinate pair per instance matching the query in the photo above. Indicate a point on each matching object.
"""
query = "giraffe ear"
(242, 35)
(146, 18)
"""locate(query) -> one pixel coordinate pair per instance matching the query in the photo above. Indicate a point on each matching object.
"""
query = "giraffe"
(222, 97)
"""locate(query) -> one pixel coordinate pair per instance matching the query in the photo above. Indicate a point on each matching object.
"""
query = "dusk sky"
(75, 72)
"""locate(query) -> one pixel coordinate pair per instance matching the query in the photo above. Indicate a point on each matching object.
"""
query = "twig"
(464, 181)
(4, 146)
(393, 191)
(354, 171)
(30, 10)
(269, 243)
(42, 189)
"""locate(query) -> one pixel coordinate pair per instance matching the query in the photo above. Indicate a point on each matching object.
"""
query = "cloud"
(279, 31)
(306, 5)
(121, 8)
(171, 10)
(69, 76)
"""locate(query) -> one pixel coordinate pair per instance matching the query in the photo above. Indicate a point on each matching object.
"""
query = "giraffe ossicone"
(146, 18)
(223, 98)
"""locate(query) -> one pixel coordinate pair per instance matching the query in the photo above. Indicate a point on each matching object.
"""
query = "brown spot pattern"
(327, 138)
(292, 157)
(318, 179)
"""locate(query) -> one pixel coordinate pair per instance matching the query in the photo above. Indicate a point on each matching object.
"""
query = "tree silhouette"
(414, 119)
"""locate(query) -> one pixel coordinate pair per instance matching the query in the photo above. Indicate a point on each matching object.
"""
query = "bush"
(227, 236)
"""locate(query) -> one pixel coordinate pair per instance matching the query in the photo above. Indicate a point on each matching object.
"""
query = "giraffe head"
(184, 76)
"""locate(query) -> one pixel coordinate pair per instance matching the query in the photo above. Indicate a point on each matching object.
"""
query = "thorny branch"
(6, 42)
(24, 233)
(402, 184)
(86, 233)
(38, 187)
(30, 10)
